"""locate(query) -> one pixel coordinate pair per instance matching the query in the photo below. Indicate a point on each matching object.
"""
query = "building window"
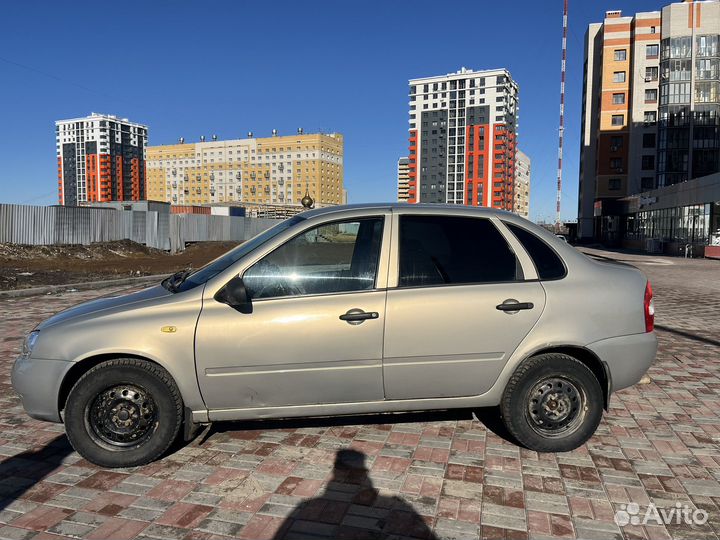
(707, 92)
(651, 73)
(614, 184)
(653, 29)
(707, 45)
(616, 143)
(707, 68)
(618, 99)
(648, 163)
(650, 118)
(675, 93)
(619, 77)
(647, 182)
(648, 140)
(620, 55)
(616, 164)
(652, 51)
(618, 119)
(651, 95)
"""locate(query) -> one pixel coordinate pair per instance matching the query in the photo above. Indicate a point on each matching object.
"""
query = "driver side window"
(333, 257)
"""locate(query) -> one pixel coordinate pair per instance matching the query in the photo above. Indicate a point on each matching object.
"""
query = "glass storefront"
(715, 224)
(696, 224)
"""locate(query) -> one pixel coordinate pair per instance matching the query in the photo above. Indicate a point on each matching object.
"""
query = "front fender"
(182, 370)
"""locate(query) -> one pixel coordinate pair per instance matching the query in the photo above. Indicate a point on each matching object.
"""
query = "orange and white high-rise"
(463, 139)
(100, 158)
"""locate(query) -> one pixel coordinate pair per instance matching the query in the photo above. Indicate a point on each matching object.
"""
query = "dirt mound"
(24, 266)
(99, 251)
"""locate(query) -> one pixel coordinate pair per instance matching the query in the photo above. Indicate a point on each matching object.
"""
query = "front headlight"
(29, 342)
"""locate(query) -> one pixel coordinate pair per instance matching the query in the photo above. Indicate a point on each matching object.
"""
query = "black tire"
(552, 403)
(123, 413)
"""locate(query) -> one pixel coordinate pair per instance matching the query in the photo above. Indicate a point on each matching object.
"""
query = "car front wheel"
(123, 413)
(552, 403)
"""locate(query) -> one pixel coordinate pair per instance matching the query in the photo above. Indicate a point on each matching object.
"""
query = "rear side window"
(442, 250)
(547, 262)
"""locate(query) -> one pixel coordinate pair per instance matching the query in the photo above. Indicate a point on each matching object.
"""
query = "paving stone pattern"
(436, 475)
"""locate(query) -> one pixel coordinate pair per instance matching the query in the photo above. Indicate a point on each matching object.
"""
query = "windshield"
(213, 268)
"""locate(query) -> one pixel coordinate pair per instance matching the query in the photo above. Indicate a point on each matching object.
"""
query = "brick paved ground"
(660, 443)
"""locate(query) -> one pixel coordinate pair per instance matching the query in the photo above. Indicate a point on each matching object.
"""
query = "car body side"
(596, 308)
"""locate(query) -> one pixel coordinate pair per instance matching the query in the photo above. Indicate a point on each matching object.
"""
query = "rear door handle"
(356, 316)
(513, 305)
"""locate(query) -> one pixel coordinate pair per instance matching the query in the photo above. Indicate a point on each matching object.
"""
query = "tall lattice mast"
(562, 112)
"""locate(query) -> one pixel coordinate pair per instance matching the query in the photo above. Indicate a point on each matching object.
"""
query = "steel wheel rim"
(556, 406)
(122, 415)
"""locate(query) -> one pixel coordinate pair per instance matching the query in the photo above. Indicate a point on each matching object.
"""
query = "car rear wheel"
(552, 403)
(123, 413)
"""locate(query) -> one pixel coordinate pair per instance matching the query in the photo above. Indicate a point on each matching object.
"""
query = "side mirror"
(235, 295)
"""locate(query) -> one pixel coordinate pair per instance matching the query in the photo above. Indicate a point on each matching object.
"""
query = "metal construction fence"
(54, 225)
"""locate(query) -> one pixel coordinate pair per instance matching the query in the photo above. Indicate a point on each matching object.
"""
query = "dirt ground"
(33, 266)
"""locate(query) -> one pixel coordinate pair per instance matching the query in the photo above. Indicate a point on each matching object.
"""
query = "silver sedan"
(350, 310)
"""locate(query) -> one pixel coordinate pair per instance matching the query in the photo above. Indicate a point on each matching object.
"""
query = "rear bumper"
(627, 357)
(38, 383)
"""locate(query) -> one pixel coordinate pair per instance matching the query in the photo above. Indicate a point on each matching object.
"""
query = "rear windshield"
(548, 264)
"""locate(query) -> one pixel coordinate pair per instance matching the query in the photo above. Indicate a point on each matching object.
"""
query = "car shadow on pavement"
(351, 507)
(688, 335)
(488, 416)
(19, 473)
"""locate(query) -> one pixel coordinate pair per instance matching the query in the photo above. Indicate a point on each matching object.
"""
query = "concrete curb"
(84, 286)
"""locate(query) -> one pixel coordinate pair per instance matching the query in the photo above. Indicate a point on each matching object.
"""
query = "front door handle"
(357, 316)
(513, 305)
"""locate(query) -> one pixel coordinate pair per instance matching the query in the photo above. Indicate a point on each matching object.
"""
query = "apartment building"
(650, 148)
(522, 184)
(270, 170)
(403, 179)
(100, 158)
(462, 132)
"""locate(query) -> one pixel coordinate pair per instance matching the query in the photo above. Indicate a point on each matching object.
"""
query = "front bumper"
(627, 357)
(38, 383)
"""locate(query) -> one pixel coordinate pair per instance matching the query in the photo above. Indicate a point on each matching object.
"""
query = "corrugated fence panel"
(138, 227)
(163, 231)
(47, 225)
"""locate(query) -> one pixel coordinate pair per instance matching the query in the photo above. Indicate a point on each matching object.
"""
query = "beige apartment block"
(522, 184)
(270, 170)
(403, 179)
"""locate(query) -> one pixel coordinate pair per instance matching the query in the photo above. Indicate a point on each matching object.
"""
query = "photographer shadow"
(352, 508)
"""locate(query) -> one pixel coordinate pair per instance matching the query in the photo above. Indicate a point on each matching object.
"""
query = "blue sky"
(201, 68)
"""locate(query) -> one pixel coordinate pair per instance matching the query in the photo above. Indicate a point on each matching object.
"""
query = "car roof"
(408, 208)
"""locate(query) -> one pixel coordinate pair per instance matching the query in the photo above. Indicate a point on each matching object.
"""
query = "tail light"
(649, 308)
